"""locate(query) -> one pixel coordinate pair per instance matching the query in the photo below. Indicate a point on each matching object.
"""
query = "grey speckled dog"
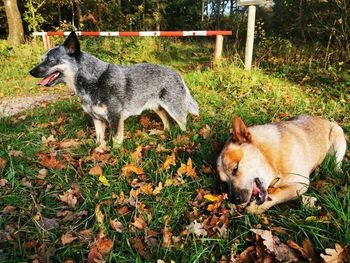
(111, 93)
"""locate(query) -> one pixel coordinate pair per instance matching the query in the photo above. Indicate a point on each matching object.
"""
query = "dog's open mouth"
(50, 79)
(259, 193)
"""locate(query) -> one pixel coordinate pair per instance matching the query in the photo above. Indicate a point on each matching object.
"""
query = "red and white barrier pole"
(218, 33)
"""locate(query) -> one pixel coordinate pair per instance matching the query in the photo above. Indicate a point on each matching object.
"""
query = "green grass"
(221, 92)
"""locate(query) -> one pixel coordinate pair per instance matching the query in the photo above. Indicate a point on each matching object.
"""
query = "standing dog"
(280, 154)
(111, 93)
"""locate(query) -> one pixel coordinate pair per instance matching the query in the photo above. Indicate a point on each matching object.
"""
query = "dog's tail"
(192, 104)
(338, 142)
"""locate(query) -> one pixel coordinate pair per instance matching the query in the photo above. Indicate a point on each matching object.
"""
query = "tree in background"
(14, 21)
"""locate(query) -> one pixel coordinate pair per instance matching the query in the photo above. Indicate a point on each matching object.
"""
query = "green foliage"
(32, 15)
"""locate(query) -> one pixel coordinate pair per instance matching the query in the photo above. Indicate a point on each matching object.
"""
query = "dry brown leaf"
(170, 160)
(50, 161)
(144, 121)
(16, 153)
(69, 198)
(197, 229)
(333, 255)
(96, 170)
(188, 169)
(99, 216)
(116, 225)
(167, 240)
(274, 246)
(99, 251)
(207, 169)
(51, 138)
(2, 165)
(3, 182)
(205, 132)
(42, 174)
(309, 202)
(158, 189)
(140, 247)
(139, 223)
(69, 143)
(130, 168)
(136, 156)
(67, 238)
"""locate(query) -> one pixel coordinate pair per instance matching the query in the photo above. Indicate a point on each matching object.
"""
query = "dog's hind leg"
(117, 127)
(338, 142)
(164, 117)
(100, 127)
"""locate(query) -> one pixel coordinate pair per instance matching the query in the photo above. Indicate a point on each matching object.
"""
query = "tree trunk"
(14, 21)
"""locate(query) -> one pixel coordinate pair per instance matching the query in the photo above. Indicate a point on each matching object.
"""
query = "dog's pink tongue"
(48, 79)
(256, 189)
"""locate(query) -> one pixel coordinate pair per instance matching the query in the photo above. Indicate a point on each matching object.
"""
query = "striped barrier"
(218, 33)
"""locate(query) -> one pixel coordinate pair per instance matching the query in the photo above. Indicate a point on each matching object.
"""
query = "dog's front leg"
(281, 195)
(117, 127)
(100, 127)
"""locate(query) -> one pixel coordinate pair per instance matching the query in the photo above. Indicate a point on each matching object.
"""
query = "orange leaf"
(170, 160)
(147, 189)
(67, 238)
(139, 223)
(50, 161)
(116, 225)
(99, 251)
(96, 170)
(167, 241)
(130, 168)
(137, 155)
(188, 169)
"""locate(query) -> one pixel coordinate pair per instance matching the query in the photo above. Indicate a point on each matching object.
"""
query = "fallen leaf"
(69, 143)
(274, 246)
(69, 198)
(130, 168)
(51, 138)
(158, 189)
(99, 251)
(116, 225)
(140, 247)
(2, 165)
(104, 180)
(136, 156)
(333, 255)
(144, 121)
(170, 160)
(205, 132)
(146, 189)
(67, 238)
(96, 170)
(167, 240)
(155, 132)
(188, 169)
(50, 161)
(3, 182)
(207, 169)
(9, 210)
(16, 153)
(306, 251)
(42, 174)
(197, 229)
(310, 202)
(99, 216)
(139, 223)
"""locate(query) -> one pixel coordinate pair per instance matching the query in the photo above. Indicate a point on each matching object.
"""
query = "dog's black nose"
(237, 199)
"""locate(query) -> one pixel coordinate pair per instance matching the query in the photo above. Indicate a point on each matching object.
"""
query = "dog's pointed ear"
(72, 44)
(240, 132)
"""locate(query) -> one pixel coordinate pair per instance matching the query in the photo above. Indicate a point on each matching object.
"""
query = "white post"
(218, 47)
(250, 37)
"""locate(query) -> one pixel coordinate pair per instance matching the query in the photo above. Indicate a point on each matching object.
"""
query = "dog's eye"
(234, 169)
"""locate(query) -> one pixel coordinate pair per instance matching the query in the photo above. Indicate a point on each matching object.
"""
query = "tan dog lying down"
(279, 154)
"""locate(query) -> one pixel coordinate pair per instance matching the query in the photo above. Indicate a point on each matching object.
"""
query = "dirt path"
(12, 106)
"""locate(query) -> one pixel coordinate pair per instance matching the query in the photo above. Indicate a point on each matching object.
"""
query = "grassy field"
(60, 200)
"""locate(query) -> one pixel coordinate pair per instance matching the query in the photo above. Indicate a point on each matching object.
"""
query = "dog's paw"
(254, 208)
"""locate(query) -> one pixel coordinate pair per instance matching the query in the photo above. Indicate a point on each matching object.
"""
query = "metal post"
(250, 37)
